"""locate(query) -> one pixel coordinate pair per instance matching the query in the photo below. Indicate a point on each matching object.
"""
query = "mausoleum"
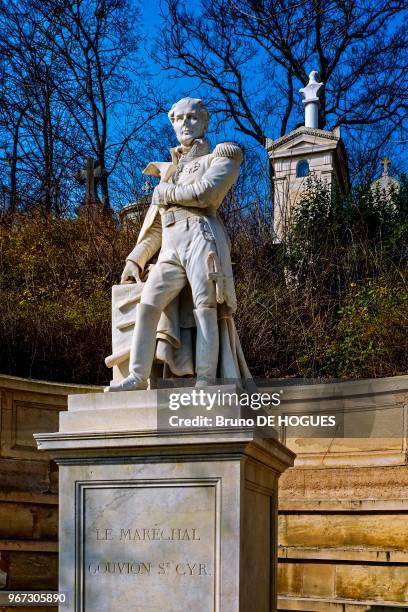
(303, 153)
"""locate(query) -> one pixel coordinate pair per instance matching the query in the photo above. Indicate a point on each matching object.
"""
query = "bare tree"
(96, 44)
(12, 114)
(254, 53)
(14, 105)
(72, 86)
(39, 137)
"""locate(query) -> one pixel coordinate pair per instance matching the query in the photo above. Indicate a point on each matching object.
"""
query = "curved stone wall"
(29, 483)
(343, 525)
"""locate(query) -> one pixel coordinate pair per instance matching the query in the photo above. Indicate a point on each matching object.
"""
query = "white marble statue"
(191, 285)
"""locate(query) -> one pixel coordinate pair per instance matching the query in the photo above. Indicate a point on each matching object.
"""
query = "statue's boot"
(142, 350)
(207, 345)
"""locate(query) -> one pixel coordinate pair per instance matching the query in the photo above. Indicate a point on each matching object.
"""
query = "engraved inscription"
(161, 539)
(153, 534)
(147, 568)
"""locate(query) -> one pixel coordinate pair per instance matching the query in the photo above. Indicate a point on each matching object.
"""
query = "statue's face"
(188, 123)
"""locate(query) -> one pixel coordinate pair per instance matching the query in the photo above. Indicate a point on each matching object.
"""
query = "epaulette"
(228, 149)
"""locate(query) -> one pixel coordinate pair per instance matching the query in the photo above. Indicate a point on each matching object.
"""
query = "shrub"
(55, 280)
(339, 307)
(331, 303)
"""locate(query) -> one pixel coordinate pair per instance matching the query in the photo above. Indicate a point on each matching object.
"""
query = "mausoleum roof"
(334, 135)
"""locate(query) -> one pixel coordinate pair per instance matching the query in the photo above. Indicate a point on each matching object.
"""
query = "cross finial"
(385, 163)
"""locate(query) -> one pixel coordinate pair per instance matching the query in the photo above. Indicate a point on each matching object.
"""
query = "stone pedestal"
(153, 520)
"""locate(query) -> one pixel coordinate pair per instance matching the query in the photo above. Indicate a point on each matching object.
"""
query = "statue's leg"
(141, 351)
(207, 345)
(163, 284)
(205, 301)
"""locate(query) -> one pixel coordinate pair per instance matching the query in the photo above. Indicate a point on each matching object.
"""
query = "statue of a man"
(194, 259)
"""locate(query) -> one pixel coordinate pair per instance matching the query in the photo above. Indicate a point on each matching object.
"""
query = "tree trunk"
(47, 181)
(105, 193)
(13, 171)
(13, 183)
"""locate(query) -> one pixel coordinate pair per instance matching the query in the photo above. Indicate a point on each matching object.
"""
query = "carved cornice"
(274, 144)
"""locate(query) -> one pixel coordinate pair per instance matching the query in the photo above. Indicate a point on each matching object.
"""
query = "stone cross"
(385, 163)
(89, 176)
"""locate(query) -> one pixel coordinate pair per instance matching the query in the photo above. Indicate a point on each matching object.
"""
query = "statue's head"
(189, 118)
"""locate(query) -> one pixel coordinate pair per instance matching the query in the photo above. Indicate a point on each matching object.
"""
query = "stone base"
(157, 521)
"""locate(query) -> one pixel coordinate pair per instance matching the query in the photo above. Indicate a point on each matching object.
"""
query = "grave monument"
(156, 518)
(301, 154)
(90, 176)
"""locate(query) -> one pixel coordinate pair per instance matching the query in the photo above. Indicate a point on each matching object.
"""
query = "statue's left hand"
(160, 194)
